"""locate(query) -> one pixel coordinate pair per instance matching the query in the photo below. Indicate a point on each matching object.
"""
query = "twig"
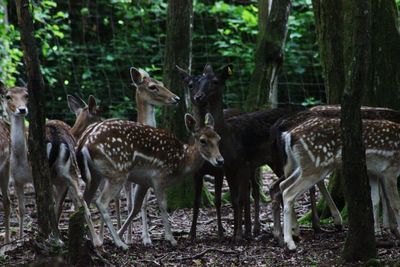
(14, 241)
(201, 254)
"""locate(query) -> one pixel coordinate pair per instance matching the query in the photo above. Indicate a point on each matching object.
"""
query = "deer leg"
(198, 187)
(299, 186)
(145, 226)
(247, 211)
(233, 192)
(4, 183)
(60, 192)
(337, 218)
(373, 182)
(78, 201)
(276, 200)
(390, 188)
(256, 197)
(110, 191)
(19, 188)
(162, 202)
(139, 194)
(218, 181)
(118, 210)
(385, 209)
(314, 211)
(128, 194)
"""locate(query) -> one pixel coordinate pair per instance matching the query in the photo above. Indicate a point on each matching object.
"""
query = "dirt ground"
(322, 249)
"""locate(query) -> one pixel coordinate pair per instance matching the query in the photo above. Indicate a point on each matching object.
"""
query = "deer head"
(86, 114)
(151, 90)
(206, 139)
(202, 87)
(15, 100)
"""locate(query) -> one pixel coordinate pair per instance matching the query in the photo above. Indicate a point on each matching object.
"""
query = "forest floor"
(322, 249)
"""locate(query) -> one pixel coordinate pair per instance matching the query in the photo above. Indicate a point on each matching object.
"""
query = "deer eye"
(8, 97)
(203, 141)
(153, 88)
(190, 85)
(215, 81)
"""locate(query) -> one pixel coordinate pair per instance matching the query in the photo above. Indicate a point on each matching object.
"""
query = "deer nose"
(176, 99)
(23, 110)
(198, 97)
(220, 161)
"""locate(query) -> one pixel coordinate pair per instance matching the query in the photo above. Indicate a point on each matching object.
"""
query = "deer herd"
(302, 149)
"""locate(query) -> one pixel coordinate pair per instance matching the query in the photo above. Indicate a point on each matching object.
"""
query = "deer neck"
(192, 160)
(216, 107)
(145, 111)
(19, 151)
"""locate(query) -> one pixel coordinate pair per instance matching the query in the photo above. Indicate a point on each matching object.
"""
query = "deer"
(5, 145)
(329, 111)
(313, 148)
(59, 151)
(117, 151)
(63, 168)
(149, 93)
(244, 144)
(14, 103)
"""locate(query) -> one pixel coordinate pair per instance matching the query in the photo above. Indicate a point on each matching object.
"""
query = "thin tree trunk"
(178, 52)
(37, 156)
(269, 53)
(360, 241)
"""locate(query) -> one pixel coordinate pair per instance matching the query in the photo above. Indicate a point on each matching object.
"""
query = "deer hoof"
(97, 242)
(290, 245)
(123, 246)
(147, 242)
(173, 242)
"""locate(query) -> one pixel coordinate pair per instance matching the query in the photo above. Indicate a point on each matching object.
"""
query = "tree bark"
(273, 28)
(36, 143)
(385, 56)
(178, 52)
(360, 241)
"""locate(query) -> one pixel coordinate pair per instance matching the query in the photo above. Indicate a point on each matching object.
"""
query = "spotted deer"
(313, 150)
(63, 168)
(119, 151)
(5, 145)
(149, 94)
(294, 120)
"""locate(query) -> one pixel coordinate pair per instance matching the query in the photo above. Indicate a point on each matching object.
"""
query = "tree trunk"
(37, 150)
(360, 241)
(178, 52)
(273, 28)
(385, 56)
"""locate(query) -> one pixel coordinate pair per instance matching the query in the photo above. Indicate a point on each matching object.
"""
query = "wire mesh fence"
(88, 47)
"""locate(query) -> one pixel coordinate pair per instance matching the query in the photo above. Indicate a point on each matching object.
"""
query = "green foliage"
(88, 47)
(10, 55)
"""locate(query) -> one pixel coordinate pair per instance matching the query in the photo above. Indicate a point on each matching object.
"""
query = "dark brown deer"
(244, 141)
(116, 151)
(314, 147)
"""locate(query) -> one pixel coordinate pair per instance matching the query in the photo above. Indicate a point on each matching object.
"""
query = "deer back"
(317, 141)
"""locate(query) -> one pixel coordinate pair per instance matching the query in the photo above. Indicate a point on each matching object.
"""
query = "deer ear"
(75, 104)
(226, 72)
(92, 105)
(208, 69)
(137, 75)
(184, 75)
(209, 120)
(190, 122)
